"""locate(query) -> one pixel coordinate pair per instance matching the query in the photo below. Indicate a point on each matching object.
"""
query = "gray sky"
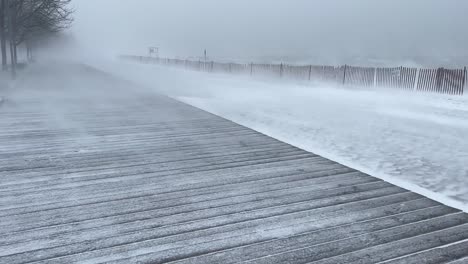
(332, 29)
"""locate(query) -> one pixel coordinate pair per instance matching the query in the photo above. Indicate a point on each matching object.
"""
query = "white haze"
(315, 31)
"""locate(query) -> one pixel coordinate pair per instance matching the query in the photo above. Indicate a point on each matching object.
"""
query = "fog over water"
(328, 31)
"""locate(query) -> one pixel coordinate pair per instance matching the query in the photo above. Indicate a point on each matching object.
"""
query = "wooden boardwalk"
(95, 176)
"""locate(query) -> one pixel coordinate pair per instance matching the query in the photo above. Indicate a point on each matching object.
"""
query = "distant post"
(375, 76)
(205, 58)
(344, 74)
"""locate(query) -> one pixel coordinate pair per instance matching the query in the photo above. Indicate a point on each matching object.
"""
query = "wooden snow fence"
(439, 80)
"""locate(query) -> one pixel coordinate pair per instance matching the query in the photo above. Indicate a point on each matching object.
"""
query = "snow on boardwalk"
(98, 171)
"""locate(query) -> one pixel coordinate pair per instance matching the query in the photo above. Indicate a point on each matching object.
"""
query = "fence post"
(322, 78)
(439, 79)
(310, 71)
(212, 66)
(344, 74)
(375, 76)
(464, 80)
(400, 74)
(416, 79)
(251, 68)
(281, 70)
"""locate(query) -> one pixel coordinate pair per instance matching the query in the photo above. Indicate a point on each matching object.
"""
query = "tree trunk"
(12, 60)
(3, 35)
(11, 32)
(28, 51)
(13, 29)
(15, 52)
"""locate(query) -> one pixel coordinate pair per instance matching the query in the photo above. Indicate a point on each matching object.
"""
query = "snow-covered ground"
(417, 141)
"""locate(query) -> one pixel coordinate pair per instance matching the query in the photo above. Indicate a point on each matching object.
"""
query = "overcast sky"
(243, 28)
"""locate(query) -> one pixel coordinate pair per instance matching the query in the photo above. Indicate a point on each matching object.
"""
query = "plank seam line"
(426, 250)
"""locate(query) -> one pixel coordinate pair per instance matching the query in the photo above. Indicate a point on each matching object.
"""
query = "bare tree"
(50, 17)
(11, 35)
(35, 17)
(3, 6)
(25, 21)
